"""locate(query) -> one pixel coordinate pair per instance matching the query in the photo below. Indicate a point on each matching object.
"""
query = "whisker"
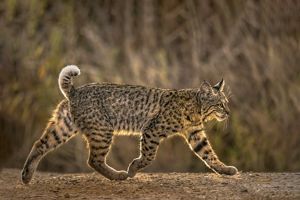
(229, 92)
(230, 96)
(227, 122)
(225, 125)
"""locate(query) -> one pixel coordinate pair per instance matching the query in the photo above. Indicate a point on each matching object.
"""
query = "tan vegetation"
(253, 45)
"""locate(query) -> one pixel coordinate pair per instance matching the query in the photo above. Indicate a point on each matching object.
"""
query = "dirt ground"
(151, 186)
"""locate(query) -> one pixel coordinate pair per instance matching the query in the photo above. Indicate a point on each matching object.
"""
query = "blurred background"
(253, 44)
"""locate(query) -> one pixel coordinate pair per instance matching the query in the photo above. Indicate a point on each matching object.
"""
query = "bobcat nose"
(227, 111)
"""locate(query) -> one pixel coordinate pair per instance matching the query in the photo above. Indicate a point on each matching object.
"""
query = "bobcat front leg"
(199, 143)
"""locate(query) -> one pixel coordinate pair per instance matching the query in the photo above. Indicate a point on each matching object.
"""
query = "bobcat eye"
(221, 106)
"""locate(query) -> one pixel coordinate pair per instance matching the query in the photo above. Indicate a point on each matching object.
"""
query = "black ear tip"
(220, 85)
(221, 82)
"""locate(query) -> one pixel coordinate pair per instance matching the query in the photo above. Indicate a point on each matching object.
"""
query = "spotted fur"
(99, 111)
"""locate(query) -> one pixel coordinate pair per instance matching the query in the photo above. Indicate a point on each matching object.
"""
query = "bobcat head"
(213, 101)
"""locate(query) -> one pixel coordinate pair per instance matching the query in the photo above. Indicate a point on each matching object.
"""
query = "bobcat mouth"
(221, 117)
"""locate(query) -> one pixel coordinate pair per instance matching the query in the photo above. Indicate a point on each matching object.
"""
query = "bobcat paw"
(229, 170)
(131, 174)
(133, 168)
(26, 175)
(122, 175)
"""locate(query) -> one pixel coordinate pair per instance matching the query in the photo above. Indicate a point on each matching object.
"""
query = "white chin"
(220, 118)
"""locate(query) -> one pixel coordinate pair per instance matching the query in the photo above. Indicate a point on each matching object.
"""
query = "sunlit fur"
(99, 111)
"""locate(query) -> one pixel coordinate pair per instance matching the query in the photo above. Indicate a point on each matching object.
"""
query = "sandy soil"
(151, 186)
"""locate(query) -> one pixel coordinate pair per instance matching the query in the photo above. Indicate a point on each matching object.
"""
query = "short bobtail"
(65, 81)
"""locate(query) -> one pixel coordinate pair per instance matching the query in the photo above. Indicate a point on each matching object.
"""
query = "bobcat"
(99, 110)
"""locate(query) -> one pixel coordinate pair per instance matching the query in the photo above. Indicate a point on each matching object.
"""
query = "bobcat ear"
(220, 86)
(206, 87)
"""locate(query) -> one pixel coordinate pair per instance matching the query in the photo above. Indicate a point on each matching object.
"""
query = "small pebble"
(67, 195)
(244, 190)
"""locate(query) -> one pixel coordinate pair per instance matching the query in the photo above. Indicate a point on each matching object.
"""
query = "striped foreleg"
(199, 143)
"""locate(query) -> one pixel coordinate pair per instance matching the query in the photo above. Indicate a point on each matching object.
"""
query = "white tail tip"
(65, 78)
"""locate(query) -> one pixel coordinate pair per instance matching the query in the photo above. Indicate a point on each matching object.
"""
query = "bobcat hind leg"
(58, 131)
(99, 145)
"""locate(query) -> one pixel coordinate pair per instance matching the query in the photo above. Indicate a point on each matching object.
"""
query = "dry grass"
(253, 45)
